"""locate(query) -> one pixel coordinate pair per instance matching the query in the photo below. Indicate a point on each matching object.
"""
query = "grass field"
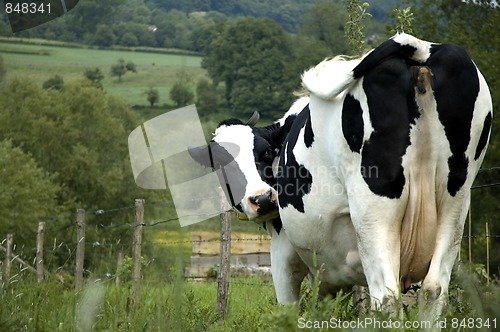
(41, 62)
(191, 306)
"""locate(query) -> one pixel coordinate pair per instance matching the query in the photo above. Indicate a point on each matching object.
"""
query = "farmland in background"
(39, 63)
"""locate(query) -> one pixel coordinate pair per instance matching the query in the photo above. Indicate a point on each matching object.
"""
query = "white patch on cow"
(430, 150)
(295, 109)
(423, 47)
(287, 268)
(242, 136)
(483, 105)
(330, 77)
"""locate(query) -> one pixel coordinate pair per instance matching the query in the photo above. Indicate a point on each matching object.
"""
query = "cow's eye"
(268, 156)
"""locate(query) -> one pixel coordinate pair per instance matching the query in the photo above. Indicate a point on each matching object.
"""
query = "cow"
(374, 174)
(387, 156)
(257, 159)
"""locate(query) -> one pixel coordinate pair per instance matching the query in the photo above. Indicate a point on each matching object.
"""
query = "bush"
(54, 83)
(152, 95)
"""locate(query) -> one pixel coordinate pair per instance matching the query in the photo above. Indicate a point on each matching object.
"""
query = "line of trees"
(171, 24)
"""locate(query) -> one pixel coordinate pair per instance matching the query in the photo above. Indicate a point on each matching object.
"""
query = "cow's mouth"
(270, 211)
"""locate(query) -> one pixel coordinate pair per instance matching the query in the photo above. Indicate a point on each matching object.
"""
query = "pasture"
(190, 306)
(38, 63)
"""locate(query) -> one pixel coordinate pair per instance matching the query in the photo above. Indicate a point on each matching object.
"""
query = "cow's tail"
(333, 76)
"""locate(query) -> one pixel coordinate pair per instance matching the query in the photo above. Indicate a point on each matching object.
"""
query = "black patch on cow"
(277, 224)
(230, 122)
(391, 103)
(279, 136)
(308, 132)
(483, 139)
(352, 123)
(264, 155)
(294, 180)
(384, 51)
(456, 86)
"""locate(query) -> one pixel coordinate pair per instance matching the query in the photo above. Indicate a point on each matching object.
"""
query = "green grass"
(41, 62)
(191, 306)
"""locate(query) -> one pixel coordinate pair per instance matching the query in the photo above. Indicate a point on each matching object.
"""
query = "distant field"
(41, 62)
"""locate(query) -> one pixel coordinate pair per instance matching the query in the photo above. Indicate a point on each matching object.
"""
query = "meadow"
(190, 306)
(39, 62)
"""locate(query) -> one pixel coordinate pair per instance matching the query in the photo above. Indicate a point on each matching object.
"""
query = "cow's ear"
(215, 154)
(201, 154)
(279, 135)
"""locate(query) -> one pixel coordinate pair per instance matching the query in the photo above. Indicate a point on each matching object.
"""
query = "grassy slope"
(40, 63)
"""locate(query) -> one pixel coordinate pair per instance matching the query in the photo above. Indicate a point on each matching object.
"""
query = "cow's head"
(245, 156)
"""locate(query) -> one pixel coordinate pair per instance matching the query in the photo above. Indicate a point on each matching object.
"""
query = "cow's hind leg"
(433, 299)
(378, 232)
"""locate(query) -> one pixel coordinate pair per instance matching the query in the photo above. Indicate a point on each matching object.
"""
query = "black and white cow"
(257, 160)
(387, 156)
(374, 175)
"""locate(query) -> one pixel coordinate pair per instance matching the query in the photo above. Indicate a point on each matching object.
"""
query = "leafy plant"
(354, 27)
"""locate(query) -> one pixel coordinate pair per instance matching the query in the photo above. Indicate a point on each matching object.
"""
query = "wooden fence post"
(136, 274)
(487, 254)
(470, 233)
(225, 261)
(119, 264)
(8, 256)
(80, 248)
(39, 251)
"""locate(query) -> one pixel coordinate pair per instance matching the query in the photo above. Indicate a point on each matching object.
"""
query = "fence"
(78, 251)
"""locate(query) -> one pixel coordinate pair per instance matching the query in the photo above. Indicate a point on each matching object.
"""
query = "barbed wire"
(171, 203)
(96, 244)
(486, 185)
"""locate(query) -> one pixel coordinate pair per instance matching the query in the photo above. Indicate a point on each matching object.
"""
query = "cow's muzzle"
(264, 203)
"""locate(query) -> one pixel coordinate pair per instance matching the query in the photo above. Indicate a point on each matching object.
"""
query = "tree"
(324, 22)
(121, 68)
(129, 39)
(152, 95)
(27, 193)
(181, 93)
(104, 36)
(76, 135)
(250, 56)
(95, 76)
(207, 99)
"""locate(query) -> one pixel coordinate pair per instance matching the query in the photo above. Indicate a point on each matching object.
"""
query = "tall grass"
(186, 306)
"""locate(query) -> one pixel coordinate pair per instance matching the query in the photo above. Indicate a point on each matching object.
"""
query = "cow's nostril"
(259, 199)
